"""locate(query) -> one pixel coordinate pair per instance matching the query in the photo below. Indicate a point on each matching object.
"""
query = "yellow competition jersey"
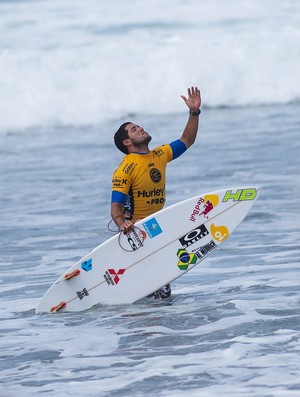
(139, 181)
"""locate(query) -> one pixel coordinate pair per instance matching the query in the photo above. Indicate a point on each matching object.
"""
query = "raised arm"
(193, 102)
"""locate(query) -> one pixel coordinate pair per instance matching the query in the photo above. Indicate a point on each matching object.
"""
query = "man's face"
(137, 135)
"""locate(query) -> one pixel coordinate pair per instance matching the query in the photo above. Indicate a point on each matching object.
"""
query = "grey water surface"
(232, 324)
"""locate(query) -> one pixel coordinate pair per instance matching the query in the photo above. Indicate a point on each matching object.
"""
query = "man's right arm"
(117, 214)
(120, 187)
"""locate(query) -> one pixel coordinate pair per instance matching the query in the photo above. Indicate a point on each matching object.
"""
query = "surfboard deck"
(161, 248)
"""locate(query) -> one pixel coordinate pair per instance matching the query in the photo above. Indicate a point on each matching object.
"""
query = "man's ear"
(126, 142)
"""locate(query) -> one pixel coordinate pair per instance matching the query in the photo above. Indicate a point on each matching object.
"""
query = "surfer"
(138, 184)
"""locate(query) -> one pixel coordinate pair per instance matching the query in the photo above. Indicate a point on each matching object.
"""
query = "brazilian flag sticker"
(185, 259)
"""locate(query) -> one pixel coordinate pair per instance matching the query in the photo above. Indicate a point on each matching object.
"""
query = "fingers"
(126, 226)
(191, 92)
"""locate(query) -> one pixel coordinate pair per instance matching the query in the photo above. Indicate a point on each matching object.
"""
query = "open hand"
(193, 101)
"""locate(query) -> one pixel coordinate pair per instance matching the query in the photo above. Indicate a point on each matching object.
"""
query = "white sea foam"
(92, 61)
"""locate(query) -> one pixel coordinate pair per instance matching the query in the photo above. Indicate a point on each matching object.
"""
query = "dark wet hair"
(119, 137)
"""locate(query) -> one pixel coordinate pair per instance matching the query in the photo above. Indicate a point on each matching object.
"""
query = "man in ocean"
(138, 185)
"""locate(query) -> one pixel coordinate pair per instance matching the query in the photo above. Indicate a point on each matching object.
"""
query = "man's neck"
(139, 150)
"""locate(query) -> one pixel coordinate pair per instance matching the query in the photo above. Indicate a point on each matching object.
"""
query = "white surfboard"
(161, 248)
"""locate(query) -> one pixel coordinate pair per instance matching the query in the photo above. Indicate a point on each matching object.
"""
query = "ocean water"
(70, 74)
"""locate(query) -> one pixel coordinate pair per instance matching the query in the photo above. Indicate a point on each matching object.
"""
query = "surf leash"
(135, 239)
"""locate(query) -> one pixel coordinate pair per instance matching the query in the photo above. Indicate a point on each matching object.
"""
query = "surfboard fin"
(74, 273)
(58, 307)
(162, 293)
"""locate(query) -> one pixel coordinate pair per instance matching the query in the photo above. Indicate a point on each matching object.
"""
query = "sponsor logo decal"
(151, 193)
(154, 194)
(205, 249)
(136, 238)
(240, 195)
(82, 294)
(185, 259)
(156, 201)
(128, 168)
(119, 182)
(158, 152)
(155, 175)
(112, 277)
(152, 227)
(204, 206)
(87, 265)
(193, 236)
(219, 233)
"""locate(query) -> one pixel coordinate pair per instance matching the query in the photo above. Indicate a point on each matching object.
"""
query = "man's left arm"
(193, 102)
